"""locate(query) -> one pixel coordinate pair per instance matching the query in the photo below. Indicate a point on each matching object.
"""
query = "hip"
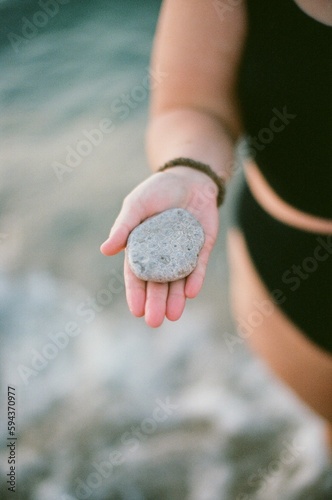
(294, 263)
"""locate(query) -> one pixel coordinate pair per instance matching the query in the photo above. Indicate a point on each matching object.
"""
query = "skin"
(191, 115)
(321, 10)
(160, 192)
(194, 113)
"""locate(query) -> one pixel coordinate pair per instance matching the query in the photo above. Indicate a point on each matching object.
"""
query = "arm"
(193, 114)
(193, 111)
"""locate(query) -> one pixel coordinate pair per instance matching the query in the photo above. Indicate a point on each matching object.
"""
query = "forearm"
(191, 133)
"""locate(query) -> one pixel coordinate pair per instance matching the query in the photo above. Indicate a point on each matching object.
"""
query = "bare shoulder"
(198, 44)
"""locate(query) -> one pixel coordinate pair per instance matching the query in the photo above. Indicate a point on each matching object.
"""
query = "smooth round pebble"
(165, 247)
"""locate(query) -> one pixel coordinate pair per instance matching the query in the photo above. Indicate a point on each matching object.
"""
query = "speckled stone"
(165, 247)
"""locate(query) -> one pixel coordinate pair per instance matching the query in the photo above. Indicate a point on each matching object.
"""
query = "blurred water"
(89, 377)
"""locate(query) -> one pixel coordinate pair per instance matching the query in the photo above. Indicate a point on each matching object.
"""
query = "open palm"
(177, 188)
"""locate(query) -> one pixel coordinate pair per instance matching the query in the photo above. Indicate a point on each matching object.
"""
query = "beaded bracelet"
(197, 165)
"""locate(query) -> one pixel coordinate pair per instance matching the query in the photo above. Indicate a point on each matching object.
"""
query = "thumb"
(129, 217)
(115, 242)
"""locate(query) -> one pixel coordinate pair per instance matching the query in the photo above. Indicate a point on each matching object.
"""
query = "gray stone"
(165, 247)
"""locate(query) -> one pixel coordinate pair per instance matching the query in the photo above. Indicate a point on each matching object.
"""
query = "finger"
(135, 291)
(196, 278)
(130, 216)
(176, 300)
(116, 241)
(155, 306)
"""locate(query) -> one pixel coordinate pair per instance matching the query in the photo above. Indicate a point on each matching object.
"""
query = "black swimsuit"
(285, 92)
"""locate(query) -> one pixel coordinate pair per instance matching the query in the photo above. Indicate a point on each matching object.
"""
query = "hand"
(179, 187)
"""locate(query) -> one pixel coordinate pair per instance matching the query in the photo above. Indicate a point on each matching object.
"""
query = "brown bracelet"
(197, 165)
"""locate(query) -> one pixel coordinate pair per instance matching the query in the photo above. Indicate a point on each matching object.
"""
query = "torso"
(278, 208)
(288, 350)
(309, 178)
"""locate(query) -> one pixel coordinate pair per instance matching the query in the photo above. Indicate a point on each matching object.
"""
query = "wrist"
(201, 168)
